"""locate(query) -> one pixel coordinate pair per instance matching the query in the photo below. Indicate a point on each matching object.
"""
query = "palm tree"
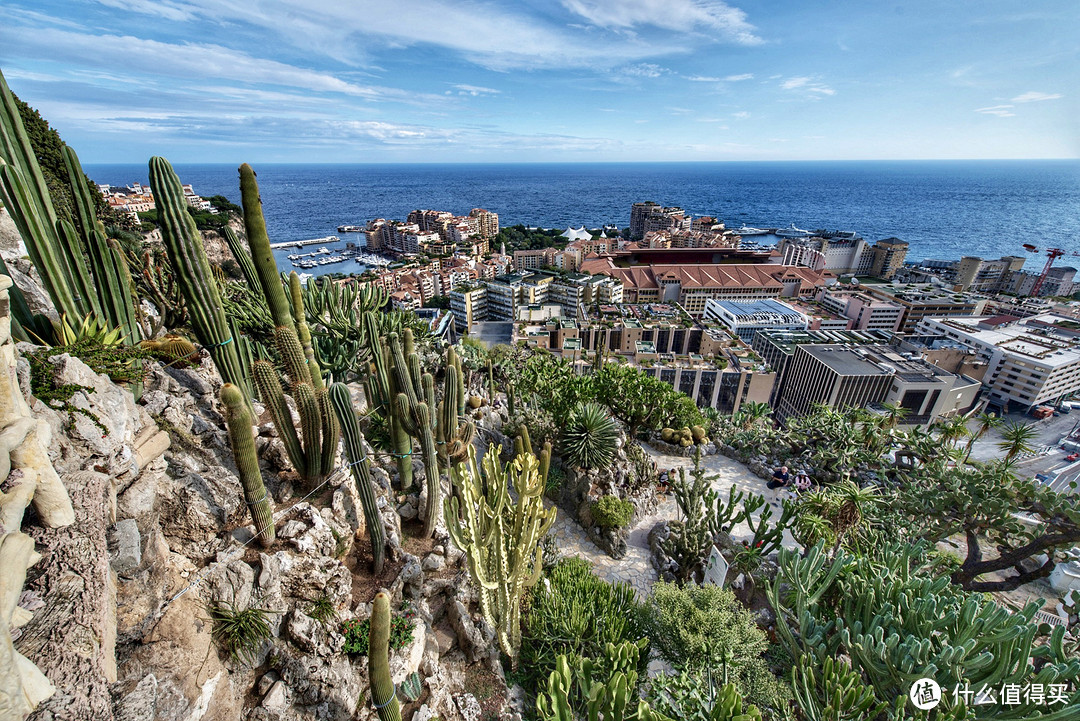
(894, 413)
(1016, 439)
(952, 430)
(986, 422)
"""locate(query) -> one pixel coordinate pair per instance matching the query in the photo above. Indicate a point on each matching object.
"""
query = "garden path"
(635, 568)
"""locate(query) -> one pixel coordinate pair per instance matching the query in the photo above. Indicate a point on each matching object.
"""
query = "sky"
(549, 80)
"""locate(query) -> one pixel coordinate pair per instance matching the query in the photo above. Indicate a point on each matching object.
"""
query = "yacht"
(793, 232)
(349, 229)
(744, 231)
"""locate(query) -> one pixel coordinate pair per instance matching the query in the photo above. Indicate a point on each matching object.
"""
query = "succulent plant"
(589, 437)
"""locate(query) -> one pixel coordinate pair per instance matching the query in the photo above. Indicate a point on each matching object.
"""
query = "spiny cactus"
(453, 433)
(190, 267)
(243, 259)
(341, 399)
(313, 456)
(175, 350)
(383, 695)
(381, 393)
(500, 535)
(414, 412)
(238, 422)
(588, 440)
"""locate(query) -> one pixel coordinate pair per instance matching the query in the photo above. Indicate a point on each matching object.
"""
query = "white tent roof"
(576, 233)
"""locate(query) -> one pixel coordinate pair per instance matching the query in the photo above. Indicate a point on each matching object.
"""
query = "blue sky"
(549, 80)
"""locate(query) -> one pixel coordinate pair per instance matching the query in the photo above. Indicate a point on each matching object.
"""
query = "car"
(1072, 456)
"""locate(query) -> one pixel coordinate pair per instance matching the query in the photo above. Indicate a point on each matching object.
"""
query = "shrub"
(576, 613)
(589, 439)
(612, 512)
(700, 626)
(356, 634)
(705, 630)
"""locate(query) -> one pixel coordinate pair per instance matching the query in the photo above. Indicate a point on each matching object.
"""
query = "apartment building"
(487, 222)
(845, 254)
(744, 318)
(864, 311)
(985, 276)
(534, 259)
(469, 305)
(649, 216)
(1030, 361)
(889, 257)
(924, 300)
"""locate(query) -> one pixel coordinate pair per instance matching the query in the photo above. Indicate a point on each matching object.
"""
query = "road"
(1050, 432)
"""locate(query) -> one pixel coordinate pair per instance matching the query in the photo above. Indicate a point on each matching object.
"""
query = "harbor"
(331, 256)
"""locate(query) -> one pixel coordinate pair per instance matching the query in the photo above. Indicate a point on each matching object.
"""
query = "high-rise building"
(487, 223)
(976, 274)
(638, 211)
(889, 257)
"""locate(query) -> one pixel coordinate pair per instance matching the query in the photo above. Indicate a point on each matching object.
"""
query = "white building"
(744, 318)
(1030, 360)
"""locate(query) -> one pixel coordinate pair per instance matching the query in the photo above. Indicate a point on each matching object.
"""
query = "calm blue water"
(944, 209)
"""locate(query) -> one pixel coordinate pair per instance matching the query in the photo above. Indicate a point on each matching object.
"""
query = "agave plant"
(589, 438)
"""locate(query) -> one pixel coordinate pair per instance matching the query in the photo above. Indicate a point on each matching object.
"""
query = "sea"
(943, 209)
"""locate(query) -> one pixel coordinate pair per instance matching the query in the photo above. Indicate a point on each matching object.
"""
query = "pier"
(313, 241)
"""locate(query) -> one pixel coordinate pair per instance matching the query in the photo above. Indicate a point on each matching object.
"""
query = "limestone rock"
(128, 554)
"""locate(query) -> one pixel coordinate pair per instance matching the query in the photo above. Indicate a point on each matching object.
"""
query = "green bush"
(240, 632)
(589, 438)
(356, 634)
(612, 512)
(703, 630)
(574, 612)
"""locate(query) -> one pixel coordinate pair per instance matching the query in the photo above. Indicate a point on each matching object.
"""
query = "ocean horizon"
(943, 208)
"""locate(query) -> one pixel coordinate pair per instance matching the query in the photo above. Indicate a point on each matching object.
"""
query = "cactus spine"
(183, 244)
(242, 442)
(383, 694)
(341, 400)
(500, 536)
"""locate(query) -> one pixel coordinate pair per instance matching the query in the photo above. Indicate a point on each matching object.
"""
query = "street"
(1050, 432)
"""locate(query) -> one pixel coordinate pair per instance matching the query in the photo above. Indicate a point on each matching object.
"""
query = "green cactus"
(606, 688)
(238, 422)
(381, 392)
(383, 693)
(341, 399)
(453, 434)
(511, 396)
(416, 417)
(833, 692)
(312, 452)
(412, 686)
(500, 534)
(243, 259)
(190, 267)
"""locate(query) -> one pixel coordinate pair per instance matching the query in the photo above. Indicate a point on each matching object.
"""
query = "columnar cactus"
(190, 267)
(242, 441)
(416, 417)
(381, 393)
(500, 534)
(312, 452)
(247, 268)
(453, 433)
(341, 400)
(383, 695)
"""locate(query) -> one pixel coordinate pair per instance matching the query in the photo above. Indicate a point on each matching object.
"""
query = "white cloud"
(1033, 96)
(160, 8)
(807, 85)
(644, 70)
(724, 79)
(742, 114)
(188, 60)
(475, 90)
(1002, 111)
(679, 15)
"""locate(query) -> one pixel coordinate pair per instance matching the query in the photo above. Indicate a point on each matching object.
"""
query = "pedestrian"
(780, 478)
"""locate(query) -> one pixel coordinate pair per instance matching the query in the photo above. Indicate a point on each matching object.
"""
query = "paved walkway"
(635, 567)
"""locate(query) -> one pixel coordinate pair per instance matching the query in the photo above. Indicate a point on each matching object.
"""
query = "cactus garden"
(259, 498)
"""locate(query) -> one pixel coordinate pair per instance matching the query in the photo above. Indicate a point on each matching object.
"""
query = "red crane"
(1052, 254)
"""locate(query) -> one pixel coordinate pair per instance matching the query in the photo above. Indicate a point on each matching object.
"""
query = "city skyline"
(588, 80)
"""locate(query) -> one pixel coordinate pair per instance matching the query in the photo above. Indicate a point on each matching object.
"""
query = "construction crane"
(1052, 254)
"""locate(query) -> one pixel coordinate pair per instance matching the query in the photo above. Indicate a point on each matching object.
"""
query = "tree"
(983, 505)
(1016, 439)
(986, 422)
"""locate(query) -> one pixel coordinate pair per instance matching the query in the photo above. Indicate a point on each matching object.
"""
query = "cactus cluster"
(341, 400)
(501, 535)
(176, 350)
(685, 437)
(606, 687)
(242, 441)
(59, 246)
(311, 451)
(190, 267)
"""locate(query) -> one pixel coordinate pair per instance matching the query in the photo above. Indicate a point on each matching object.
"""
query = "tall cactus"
(381, 389)
(190, 267)
(312, 451)
(238, 421)
(247, 268)
(500, 535)
(341, 399)
(453, 433)
(383, 694)
(416, 418)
